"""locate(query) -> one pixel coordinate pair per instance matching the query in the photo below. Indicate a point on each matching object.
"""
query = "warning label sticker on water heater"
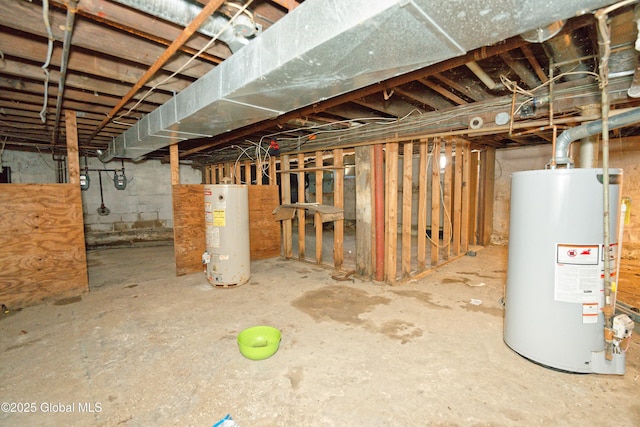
(219, 218)
(577, 273)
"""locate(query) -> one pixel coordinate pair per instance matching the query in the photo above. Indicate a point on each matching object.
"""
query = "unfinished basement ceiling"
(460, 82)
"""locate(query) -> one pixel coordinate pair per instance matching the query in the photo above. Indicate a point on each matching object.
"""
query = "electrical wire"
(436, 163)
(45, 160)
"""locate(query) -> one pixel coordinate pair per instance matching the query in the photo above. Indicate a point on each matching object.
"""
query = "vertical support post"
(259, 169)
(272, 172)
(73, 155)
(391, 258)
(435, 202)
(457, 198)
(473, 197)
(237, 177)
(364, 211)
(285, 184)
(317, 220)
(422, 207)
(447, 226)
(407, 195)
(246, 166)
(379, 211)
(466, 192)
(487, 182)
(174, 161)
(301, 212)
(338, 201)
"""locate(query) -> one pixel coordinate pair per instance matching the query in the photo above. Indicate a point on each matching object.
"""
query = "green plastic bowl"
(259, 342)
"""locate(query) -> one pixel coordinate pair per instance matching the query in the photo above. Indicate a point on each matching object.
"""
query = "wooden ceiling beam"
(534, 63)
(429, 101)
(442, 91)
(476, 95)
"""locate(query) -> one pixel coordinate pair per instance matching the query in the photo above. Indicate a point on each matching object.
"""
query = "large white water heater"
(555, 284)
(226, 212)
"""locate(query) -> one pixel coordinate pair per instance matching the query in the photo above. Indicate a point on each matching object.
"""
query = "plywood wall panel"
(264, 230)
(42, 255)
(188, 227)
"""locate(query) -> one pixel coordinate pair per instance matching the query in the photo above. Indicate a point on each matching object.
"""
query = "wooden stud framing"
(391, 211)
(457, 199)
(466, 191)
(287, 232)
(338, 201)
(407, 193)
(272, 172)
(247, 172)
(435, 201)
(317, 221)
(174, 161)
(422, 206)
(72, 147)
(452, 198)
(447, 207)
(301, 214)
(364, 210)
(487, 180)
(237, 175)
(473, 196)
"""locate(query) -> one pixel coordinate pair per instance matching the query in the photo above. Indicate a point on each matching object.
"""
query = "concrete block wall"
(140, 213)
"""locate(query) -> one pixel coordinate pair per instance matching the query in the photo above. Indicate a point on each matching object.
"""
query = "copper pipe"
(184, 36)
(379, 210)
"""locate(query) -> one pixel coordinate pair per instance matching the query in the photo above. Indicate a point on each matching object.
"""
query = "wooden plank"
(246, 176)
(174, 161)
(487, 167)
(435, 202)
(364, 212)
(391, 211)
(338, 201)
(466, 192)
(237, 175)
(228, 173)
(301, 213)
(272, 172)
(473, 198)
(447, 227)
(407, 195)
(43, 252)
(285, 187)
(317, 221)
(220, 174)
(264, 230)
(188, 227)
(73, 158)
(457, 198)
(422, 206)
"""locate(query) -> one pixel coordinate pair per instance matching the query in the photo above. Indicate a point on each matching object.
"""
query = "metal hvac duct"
(182, 12)
(565, 139)
(325, 48)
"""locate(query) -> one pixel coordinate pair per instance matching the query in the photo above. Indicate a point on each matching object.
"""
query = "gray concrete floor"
(144, 347)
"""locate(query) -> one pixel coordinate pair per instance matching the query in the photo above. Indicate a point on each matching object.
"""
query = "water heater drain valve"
(206, 258)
